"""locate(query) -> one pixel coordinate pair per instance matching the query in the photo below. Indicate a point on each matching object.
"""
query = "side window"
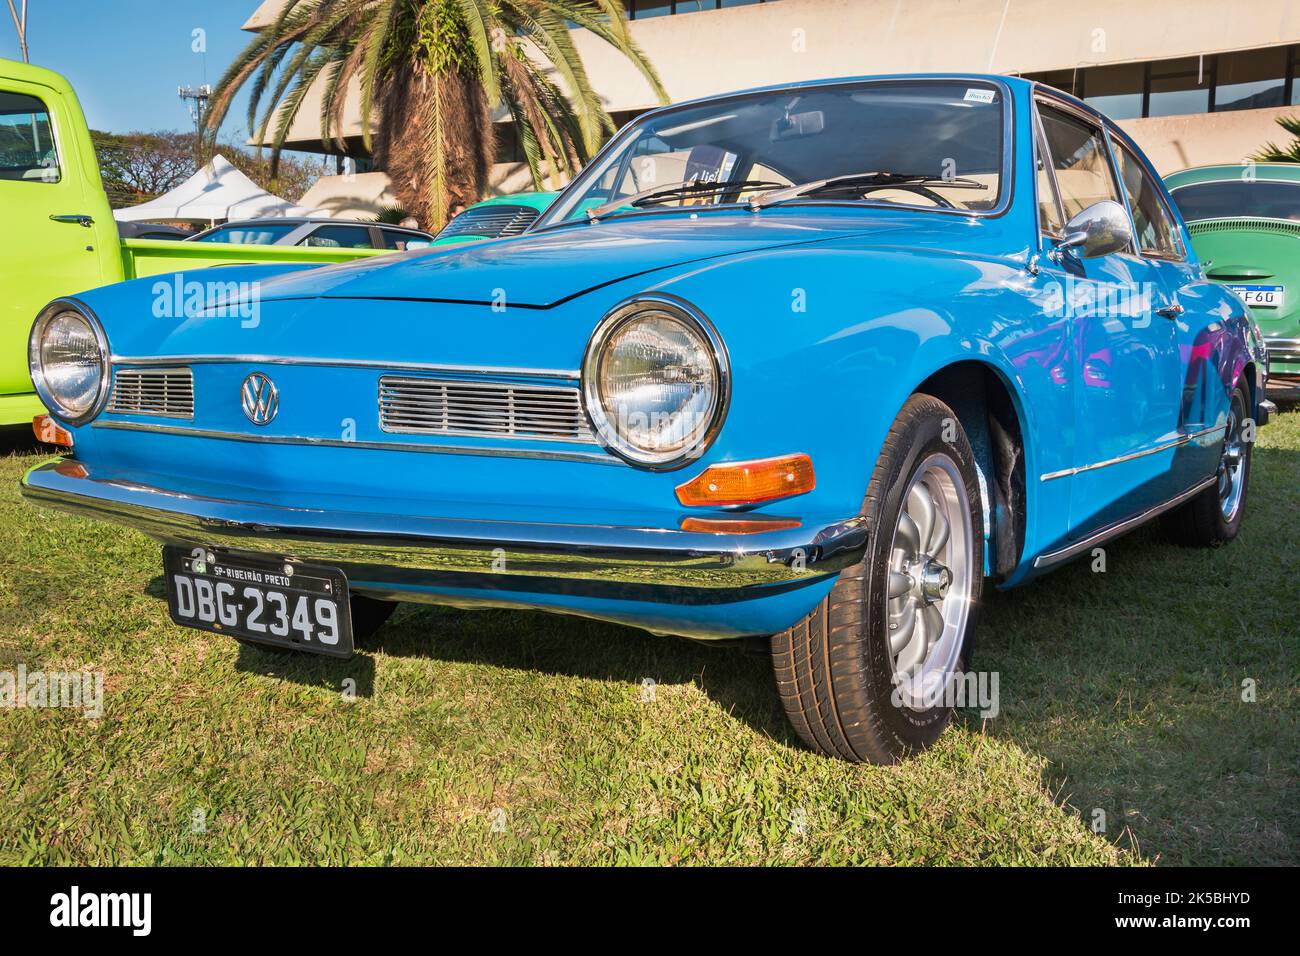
(1152, 226)
(1080, 160)
(27, 152)
(1049, 208)
(397, 240)
(346, 237)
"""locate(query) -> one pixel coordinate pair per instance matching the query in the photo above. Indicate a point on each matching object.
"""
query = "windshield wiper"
(681, 190)
(880, 178)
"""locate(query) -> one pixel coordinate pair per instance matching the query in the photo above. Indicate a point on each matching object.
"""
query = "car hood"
(547, 268)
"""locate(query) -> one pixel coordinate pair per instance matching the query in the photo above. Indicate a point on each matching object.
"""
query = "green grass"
(496, 737)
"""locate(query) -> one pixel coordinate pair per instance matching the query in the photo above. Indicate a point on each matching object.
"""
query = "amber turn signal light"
(737, 526)
(749, 482)
(48, 431)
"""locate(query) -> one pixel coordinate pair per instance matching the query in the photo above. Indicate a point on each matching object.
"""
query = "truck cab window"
(27, 152)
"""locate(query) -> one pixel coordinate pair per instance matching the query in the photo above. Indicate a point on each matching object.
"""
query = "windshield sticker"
(980, 96)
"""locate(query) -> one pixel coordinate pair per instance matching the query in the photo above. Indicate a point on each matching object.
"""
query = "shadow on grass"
(355, 676)
(1126, 682)
(737, 676)
(19, 440)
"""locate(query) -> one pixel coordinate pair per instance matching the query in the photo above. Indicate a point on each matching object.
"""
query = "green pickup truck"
(57, 234)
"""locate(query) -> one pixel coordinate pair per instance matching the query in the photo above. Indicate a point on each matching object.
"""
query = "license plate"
(1261, 296)
(255, 599)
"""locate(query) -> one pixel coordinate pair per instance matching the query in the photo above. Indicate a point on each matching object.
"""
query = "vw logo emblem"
(259, 399)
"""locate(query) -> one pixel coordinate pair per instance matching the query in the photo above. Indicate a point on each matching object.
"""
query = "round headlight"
(68, 357)
(655, 382)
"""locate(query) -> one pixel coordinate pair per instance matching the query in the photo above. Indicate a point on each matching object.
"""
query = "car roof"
(803, 85)
(34, 74)
(1229, 171)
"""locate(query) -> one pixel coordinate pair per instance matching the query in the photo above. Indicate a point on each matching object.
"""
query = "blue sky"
(125, 58)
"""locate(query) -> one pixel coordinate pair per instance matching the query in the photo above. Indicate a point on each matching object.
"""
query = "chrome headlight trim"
(37, 371)
(606, 431)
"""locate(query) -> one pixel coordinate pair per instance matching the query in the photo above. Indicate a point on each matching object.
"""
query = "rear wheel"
(863, 676)
(1214, 515)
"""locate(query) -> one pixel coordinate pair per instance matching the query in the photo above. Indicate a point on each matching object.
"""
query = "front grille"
(491, 221)
(424, 406)
(162, 392)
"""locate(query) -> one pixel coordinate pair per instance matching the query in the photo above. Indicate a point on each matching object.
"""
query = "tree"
(431, 72)
(136, 167)
(19, 13)
(288, 179)
(1291, 154)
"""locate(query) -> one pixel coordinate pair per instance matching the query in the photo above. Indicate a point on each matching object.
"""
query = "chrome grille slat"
(425, 406)
(154, 392)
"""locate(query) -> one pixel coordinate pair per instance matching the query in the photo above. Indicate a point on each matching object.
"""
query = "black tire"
(833, 669)
(368, 616)
(1200, 522)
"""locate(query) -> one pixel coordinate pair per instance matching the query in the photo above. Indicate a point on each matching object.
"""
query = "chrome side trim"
(1176, 443)
(502, 370)
(594, 457)
(1053, 558)
(385, 550)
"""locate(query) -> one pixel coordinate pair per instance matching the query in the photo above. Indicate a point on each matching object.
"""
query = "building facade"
(1195, 82)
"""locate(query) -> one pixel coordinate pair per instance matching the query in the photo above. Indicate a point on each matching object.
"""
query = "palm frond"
(430, 72)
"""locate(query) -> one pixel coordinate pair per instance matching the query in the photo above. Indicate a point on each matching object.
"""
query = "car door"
(41, 257)
(1188, 312)
(1123, 359)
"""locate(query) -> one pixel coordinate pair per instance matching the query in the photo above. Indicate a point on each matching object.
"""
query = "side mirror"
(1099, 230)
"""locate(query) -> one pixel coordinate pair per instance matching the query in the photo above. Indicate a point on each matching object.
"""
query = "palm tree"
(1291, 154)
(435, 71)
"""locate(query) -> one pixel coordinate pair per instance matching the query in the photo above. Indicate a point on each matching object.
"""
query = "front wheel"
(867, 675)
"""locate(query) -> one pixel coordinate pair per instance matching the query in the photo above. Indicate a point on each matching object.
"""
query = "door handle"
(81, 219)
(1171, 311)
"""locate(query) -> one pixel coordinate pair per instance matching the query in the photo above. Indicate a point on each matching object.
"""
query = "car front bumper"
(419, 557)
(1283, 356)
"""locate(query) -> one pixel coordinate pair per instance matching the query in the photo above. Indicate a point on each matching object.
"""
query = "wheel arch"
(989, 409)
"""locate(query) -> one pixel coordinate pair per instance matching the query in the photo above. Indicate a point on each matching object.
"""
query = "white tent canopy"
(217, 191)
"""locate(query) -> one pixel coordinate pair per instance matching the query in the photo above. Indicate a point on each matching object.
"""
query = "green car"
(495, 218)
(1245, 226)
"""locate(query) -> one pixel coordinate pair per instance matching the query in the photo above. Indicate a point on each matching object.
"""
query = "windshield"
(934, 144)
(1237, 198)
(257, 234)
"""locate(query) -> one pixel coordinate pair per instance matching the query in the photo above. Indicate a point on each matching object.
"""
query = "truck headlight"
(655, 382)
(68, 358)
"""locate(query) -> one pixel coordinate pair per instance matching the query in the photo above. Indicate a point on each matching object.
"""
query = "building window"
(1180, 86)
(1251, 80)
(644, 9)
(1245, 80)
(1114, 90)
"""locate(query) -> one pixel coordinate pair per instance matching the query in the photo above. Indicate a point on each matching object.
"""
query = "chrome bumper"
(381, 552)
(1282, 350)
